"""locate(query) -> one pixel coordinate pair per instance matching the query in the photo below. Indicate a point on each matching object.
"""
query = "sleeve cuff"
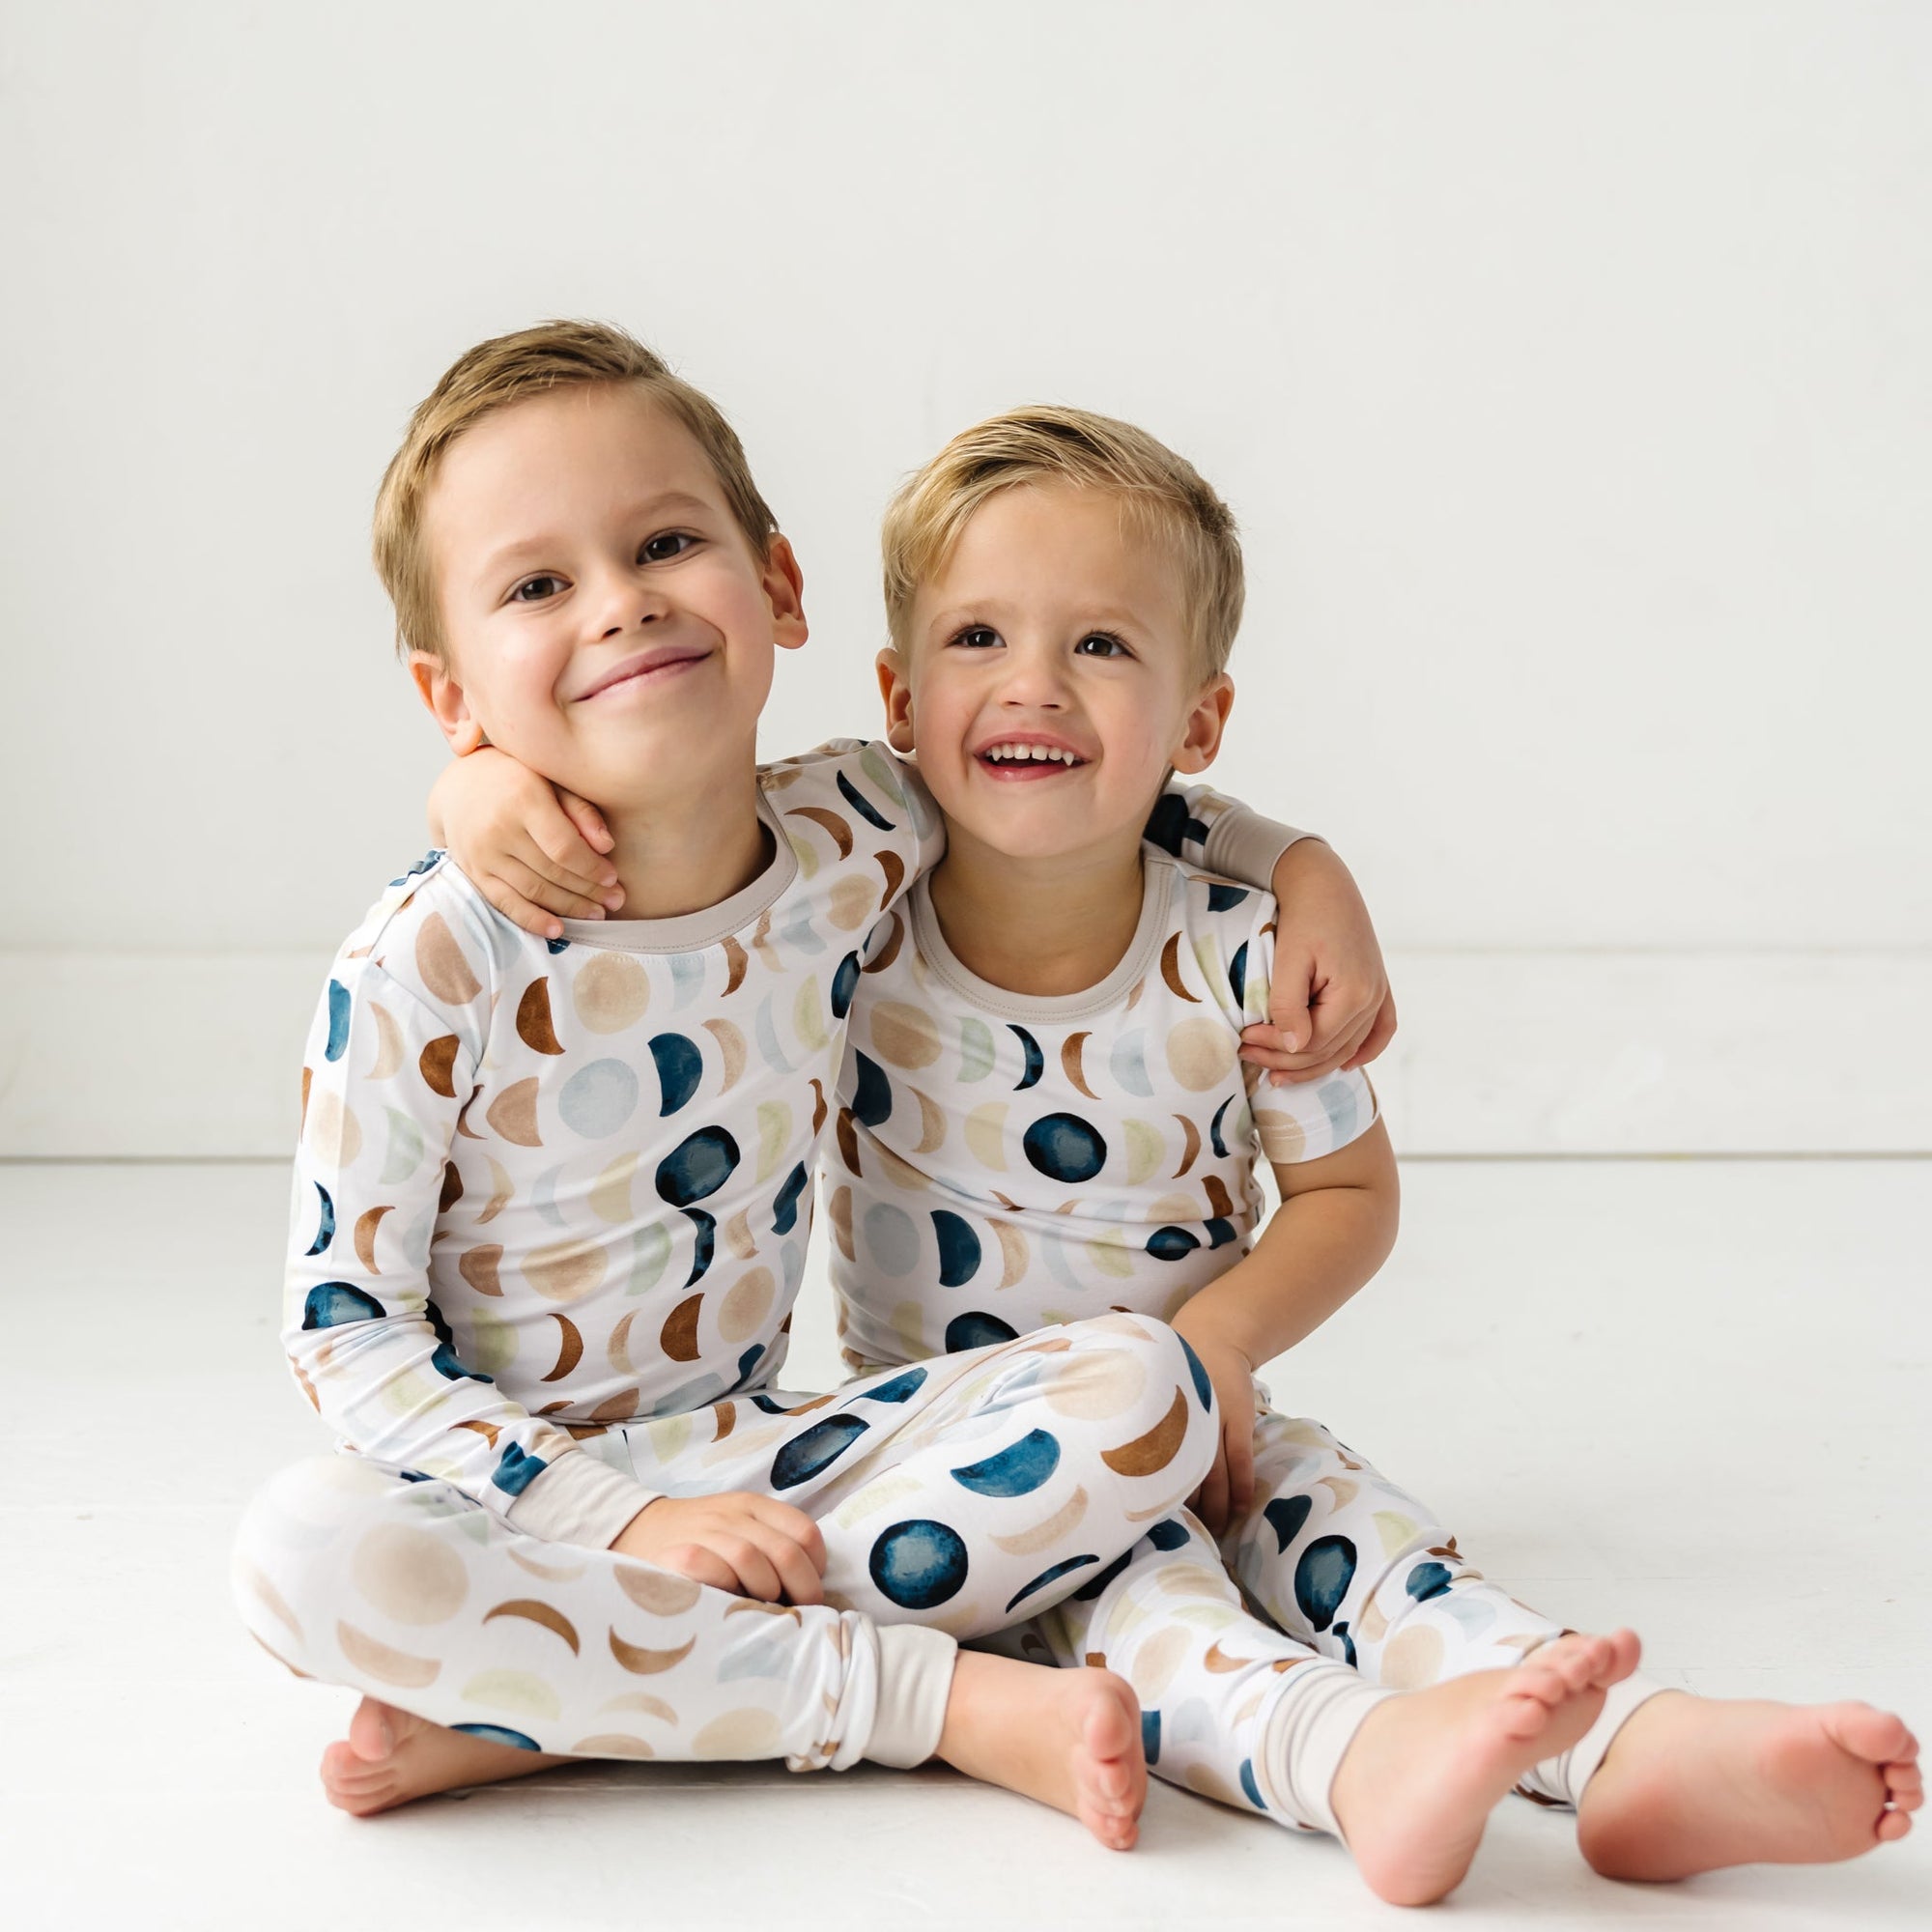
(578, 1499)
(1241, 844)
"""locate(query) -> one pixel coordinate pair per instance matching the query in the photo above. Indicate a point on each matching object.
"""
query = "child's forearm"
(1314, 1253)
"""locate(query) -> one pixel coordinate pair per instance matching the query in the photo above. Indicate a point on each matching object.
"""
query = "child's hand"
(531, 850)
(740, 1542)
(1329, 1001)
(1230, 1489)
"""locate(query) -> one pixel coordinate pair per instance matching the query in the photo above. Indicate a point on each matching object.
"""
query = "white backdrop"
(1566, 364)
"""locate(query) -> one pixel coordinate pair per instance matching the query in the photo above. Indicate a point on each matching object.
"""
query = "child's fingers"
(556, 838)
(754, 1570)
(1378, 1035)
(587, 819)
(518, 910)
(702, 1566)
(1342, 1015)
(794, 1524)
(597, 882)
(797, 1572)
(562, 900)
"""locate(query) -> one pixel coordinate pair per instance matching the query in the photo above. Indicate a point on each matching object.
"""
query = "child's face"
(1056, 623)
(608, 623)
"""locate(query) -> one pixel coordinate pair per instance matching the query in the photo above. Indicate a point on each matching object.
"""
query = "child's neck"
(1040, 927)
(681, 856)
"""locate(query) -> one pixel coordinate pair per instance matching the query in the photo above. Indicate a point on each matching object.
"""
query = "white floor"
(1691, 1397)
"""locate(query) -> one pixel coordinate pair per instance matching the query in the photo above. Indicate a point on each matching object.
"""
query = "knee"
(292, 1538)
(1137, 1373)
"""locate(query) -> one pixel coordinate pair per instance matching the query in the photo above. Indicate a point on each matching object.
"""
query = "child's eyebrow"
(505, 556)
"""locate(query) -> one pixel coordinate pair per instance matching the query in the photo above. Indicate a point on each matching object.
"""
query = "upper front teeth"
(1034, 751)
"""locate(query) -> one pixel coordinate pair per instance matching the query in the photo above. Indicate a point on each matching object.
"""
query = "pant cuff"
(915, 1681)
(1308, 1734)
(1562, 1779)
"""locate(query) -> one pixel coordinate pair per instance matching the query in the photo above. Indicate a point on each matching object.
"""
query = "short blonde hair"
(1047, 442)
(510, 369)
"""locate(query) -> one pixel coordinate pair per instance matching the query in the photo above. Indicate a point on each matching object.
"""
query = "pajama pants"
(955, 1496)
(1355, 1591)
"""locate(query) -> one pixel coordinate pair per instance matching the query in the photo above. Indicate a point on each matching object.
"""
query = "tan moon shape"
(850, 905)
(890, 950)
(1101, 1383)
(1013, 1253)
(679, 1336)
(1069, 1062)
(513, 1113)
(618, 1349)
(1156, 1661)
(819, 1108)
(610, 992)
(894, 867)
(1219, 1662)
(534, 1026)
(389, 1042)
(409, 1574)
(985, 1135)
(549, 1572)
(1413, 1660)
(271, 1601)
(1170, 969)
(478, 1267)
(738, 1237)
(659, 1591)
(848, 1133)
(611, 1191)
(735, 964)
(532, 1611)
(500, 1189)
(931, 1123)
(570, 1347)
(1219, 1199)
(619, 1408)
(478, 1427)
(839, 1211)
(441, 963)
(828, 822)
(437, 1063)
(452, 1188)
(901, 1173)
(1150, 1454)
(747, 1305)
(333, 1132)
(1341, 1489)
(1200, 1052)
(748, 1733)
(366, 1225)
(612, 1744)
(565, 1272)
(1062, 1523)
(386, 1665)
(642, 1662)
(724, 1418)
(463, 1126)
(1190, 1144)
(730, 1047)
(906, 1036)
(639, 1700)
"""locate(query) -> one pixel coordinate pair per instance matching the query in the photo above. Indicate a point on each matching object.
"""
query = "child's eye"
(662, 549)
(1100, 644)
(534, 589)
(978, 637)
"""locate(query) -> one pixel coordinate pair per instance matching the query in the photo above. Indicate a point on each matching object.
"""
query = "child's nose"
(1035, 679)
(623, 605)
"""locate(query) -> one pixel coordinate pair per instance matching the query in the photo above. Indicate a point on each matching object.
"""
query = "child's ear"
(784, 590)
(441, 695)
(897, 689)
(1206, 718)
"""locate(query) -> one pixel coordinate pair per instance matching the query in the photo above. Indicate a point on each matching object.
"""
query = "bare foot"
(1692, 1783)
(1069, 1738)
(1426, 1770)
(391, 1756)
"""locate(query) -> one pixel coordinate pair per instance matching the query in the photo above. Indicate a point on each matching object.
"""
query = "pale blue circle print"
(893, 1238)
(597, 1100)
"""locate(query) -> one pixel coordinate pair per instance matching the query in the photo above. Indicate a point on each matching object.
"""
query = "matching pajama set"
(552, 1201)
(1007, 1163)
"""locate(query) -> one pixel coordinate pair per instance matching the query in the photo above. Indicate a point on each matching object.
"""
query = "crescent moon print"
(1170, 969)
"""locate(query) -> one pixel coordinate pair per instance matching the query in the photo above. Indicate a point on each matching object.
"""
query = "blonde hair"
(1047, 442)
(510, 369)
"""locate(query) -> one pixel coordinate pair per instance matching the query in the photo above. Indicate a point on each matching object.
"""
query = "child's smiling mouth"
(646, 667)
(1027, 757)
